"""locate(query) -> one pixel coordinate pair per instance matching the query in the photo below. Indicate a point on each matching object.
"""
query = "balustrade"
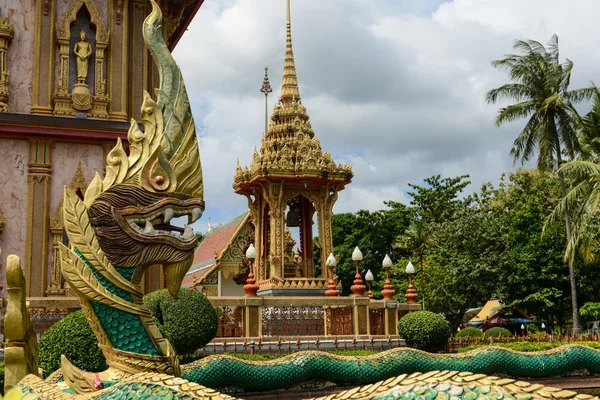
(296, 317)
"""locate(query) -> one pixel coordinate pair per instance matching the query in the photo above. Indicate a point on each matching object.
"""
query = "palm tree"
(417, 238)
(583, 198)
(540, 89)
(589, 129)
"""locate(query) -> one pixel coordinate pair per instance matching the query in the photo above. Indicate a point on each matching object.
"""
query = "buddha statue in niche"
(82, 51)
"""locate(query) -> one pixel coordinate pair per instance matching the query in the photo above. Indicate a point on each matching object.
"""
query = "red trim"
(25, 130)
(184, 27)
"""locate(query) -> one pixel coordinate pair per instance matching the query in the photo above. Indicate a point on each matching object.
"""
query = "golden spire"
(289, 86)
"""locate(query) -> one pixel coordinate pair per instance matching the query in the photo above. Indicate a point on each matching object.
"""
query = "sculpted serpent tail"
(122, 226)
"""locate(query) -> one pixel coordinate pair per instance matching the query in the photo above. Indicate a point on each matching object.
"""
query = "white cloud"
(395, 89)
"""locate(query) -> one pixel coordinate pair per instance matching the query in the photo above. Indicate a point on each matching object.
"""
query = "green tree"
(540, 88)
(437, 201)
(374, 233)
(531, 268)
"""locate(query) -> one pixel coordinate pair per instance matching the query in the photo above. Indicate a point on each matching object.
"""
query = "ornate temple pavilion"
(72, 75)
(290, 183)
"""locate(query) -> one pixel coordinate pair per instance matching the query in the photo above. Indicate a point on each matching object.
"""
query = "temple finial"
(289, 87)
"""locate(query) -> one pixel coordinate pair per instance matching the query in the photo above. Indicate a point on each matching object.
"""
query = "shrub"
(469, 331)
(189, 322)
(424, 330)
(497, 331)
(73, 337)
(1, 378)
(529, 346)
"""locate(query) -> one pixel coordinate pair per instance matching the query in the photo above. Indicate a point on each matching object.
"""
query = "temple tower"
(290, 183)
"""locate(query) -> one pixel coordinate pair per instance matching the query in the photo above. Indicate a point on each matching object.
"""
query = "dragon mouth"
(154, 222)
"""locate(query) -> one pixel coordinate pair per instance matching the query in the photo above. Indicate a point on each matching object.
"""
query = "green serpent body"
(222, 370)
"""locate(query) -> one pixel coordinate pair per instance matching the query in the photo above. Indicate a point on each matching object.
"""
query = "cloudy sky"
(395, 87)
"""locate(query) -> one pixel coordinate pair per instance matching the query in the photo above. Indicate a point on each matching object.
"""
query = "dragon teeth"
(188, 233)
(169, 214)
(196, 214)
(149, 229)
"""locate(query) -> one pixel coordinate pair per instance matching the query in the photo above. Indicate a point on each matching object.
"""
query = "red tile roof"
(211, 246)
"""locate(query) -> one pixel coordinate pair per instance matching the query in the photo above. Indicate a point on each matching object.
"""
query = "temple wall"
(20, 53)
(230, 288)
(13, 181)
(66, 157)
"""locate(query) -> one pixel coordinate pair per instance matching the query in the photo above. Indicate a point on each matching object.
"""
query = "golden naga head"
(157, 179)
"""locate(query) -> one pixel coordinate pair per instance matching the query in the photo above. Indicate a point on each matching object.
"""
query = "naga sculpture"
(122, 226)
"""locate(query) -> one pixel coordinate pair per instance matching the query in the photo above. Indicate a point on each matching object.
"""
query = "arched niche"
(67, 33)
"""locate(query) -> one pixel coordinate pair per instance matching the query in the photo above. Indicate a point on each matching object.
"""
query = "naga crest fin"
(164, 157)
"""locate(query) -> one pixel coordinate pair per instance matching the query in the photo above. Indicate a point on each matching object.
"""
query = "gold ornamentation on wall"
(6, 34)
(56, 287)
(82, 98)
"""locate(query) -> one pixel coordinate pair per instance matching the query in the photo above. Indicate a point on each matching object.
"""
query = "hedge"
(424, 330)
(469, 331)
(73, 337)
(530, 346)
(189, 322)
(497, 331)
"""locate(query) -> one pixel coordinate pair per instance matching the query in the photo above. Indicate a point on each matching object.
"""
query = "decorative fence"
(293, 317)
(292, 321)
(457, 343)
(279, 346)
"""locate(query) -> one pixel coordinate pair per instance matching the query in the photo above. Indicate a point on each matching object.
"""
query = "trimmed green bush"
(189, 322)
(73, 337)
(469, 331)
(424, 330)
(1, 378)
(529, 346)
(497, 331)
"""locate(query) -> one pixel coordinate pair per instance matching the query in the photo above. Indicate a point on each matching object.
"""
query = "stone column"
(253, 317)
(38, 215)
(139, 57)
(118, 27)
(390, 316)
(43, 64)
(360, 316)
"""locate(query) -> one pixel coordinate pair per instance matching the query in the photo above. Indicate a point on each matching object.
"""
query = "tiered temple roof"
(290, 149)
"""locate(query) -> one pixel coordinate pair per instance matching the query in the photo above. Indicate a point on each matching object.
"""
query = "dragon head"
(133, 228)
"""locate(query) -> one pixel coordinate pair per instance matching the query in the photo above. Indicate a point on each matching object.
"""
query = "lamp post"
(411, 295)
(331, 290)
(358, 289)
(251, 287)
(369, 278)
(543, 327)
(388, 291)
(522, 330)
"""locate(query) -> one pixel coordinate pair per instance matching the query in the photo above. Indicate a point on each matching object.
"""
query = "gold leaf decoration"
(93, 191)
(116, 166)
